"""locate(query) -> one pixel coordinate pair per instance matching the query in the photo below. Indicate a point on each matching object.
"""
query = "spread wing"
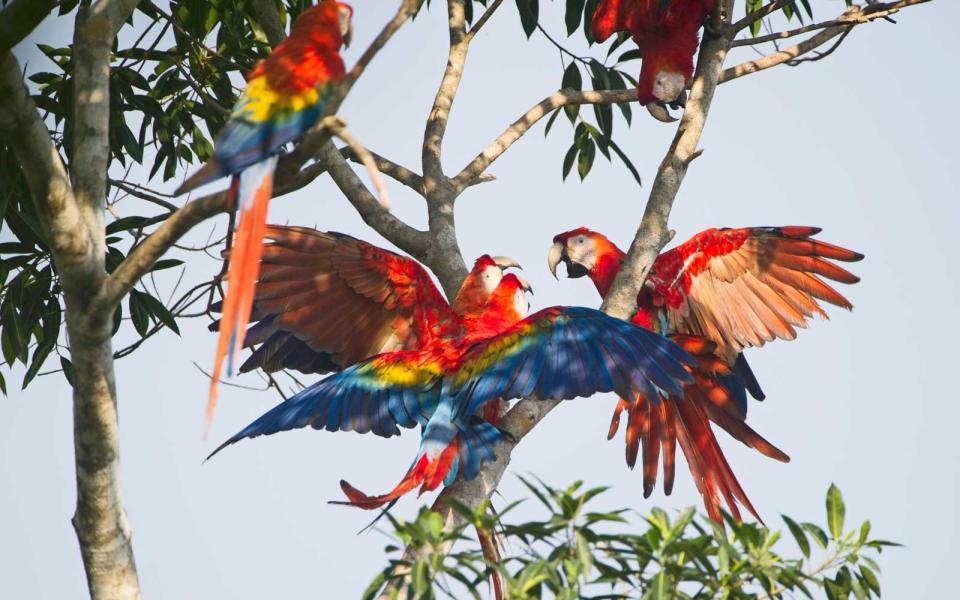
(568, 352)
(745, 287)
(325, 301)
(380, 395)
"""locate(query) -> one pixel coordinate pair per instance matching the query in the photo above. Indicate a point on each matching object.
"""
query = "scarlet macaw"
(558, 352)
(326, 301)
(665, 31)
(285, 96)
(720, 292)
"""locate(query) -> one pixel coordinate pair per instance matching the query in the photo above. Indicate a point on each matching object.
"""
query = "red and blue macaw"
(665, 31)
(286, 94)
(719, 292)
(326, 301)
(446, 384)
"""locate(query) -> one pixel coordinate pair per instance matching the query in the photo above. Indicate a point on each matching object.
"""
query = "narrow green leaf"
(798, 535)
(818, 534)
(550, 121)
(573, 15)
(870, 578)
(588, 152)
(39, 357)
(568, 159)
(160, 311)
(67, 367)
(529, 15)
(835, 512)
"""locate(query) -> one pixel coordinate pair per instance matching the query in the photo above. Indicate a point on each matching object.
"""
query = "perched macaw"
(720, 292)
(665, 31)
(325, 301)
(558, 352)
(285, 96)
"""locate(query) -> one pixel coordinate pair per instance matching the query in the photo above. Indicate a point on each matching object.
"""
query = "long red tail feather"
(242, 273)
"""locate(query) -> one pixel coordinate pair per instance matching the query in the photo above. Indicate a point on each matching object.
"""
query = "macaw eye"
(580, 239)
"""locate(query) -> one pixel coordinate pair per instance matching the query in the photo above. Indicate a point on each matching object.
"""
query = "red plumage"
(719, 292)
(665, 31)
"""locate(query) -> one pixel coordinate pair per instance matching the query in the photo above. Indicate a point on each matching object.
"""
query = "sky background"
(862, 144)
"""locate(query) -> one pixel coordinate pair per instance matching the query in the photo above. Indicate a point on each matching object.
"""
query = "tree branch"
(479, 23)
(470, 173)
(19, 18)
(784, 55)
(269, 18)
(143, 256)
(405, 237)
(440, 112)
(389, 168)
(853, 16)
(651, 236)
(761, 13)
(42, 166)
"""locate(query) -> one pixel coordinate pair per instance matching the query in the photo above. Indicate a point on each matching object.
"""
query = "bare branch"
(407, 238)
(142, 257)
(440, 112)
(784, 55)
(339, 129)
(142, 193)
(478, 25)
(20, 17)
(853, 16)
(389, 168)
(470, 173)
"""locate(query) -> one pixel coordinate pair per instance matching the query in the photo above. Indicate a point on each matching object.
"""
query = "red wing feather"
(745, 287)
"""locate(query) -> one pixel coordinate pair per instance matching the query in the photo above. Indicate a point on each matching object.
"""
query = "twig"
(338, 127)
(479, 23)
(470, 173)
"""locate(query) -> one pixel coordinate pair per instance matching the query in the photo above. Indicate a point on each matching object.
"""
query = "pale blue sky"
(862, 144)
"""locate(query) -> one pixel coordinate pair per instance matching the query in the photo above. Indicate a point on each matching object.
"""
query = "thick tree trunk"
(99, 520)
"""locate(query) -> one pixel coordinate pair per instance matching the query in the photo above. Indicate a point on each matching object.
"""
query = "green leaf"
(39, 357)
(529, 15)
(798, 535)
(818, 534)
(3, 385)
(626, 162)
(67, 367)
(550, 121)
(138, 313)
(835, 512)
(588, 152)
(573, 15)
(158, 310)
(870, 578)
(569, 158)
(583, 553)
(166, 263)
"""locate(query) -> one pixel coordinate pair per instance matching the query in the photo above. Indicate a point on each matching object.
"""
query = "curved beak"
(348, 36)
(658, 110)
(505, 262)
(554, 257)
(525, 284)
(345, 14)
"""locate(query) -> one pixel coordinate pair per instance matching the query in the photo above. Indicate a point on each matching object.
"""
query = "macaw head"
(329, 22)
(586, 253)
(667, 67)
(667, 51)
(510, 298)
(480, 282)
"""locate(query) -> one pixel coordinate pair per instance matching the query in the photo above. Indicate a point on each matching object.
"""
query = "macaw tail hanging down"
(665, 31)
(286, 94)
(720, 292)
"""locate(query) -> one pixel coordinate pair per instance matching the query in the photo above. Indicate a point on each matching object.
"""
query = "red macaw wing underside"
(325, 301)
(744, 287)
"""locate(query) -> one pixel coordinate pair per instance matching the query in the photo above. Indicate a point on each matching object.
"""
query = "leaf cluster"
(573, 550)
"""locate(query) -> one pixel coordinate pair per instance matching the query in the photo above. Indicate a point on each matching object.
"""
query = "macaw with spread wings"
(719, 292)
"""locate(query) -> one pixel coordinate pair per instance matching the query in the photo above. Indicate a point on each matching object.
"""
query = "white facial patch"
(582, 250)
(667, 86)
(520, 303)
(491, 278)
